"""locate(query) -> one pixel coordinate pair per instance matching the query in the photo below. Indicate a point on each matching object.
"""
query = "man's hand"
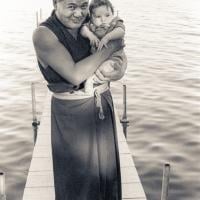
(119, 69)
(100, 78)
(116, 74)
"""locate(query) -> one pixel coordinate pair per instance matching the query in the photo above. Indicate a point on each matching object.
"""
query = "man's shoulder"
(43, 36)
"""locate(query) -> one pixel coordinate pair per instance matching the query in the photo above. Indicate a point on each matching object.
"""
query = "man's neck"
(73, 32)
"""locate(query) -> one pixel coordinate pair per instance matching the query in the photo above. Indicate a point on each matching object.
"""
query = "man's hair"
(98, 3)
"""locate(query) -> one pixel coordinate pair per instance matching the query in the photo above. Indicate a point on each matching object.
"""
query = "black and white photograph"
(100, 100)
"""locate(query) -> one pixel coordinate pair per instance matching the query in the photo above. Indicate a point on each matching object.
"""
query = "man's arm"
(51, 52)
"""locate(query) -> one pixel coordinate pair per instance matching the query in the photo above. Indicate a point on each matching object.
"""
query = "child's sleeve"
(117, 56)
(118, 23)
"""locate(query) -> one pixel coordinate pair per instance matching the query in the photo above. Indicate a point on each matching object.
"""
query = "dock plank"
(40, 179)
(42, 152)
(129, 175)
(130, 190)
(35, 193)
(40, 184)
(41, 164)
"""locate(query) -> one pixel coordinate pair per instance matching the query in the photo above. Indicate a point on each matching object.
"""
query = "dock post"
(35, 122)
(165, 181)
(124, 121)
(37, 19)
(40, 14)
(2, 186)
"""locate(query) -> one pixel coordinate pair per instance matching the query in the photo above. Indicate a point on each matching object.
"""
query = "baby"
(102, 28)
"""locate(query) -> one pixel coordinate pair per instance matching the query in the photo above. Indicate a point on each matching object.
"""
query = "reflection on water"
(163, 80)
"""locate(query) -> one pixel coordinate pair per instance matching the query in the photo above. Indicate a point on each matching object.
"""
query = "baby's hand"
(104, 41)
(94, 40)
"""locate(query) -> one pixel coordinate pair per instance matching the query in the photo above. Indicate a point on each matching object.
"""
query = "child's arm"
(116, 33)
(85, 32)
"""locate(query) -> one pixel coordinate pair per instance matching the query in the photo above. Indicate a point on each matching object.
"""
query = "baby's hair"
(98, 3)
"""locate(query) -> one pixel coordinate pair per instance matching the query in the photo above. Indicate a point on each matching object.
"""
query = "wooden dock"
(40, 184)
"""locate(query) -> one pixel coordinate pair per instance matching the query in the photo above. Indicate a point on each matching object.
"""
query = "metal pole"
(165, 181)
(35, 122)
(33, 101)
(124, 102)
(124, 121)
(2, 186)
(40, 14)
(37, 19)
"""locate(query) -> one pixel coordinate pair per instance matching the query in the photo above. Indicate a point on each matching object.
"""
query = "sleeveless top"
(78, 48)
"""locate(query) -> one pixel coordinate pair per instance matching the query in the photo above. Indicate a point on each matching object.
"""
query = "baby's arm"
(116, 33)
(85, 32)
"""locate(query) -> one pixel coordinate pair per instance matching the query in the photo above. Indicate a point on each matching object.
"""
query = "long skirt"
(85, 150)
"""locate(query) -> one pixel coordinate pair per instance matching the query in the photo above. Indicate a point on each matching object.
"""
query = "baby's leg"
(107, 66)
(89, 84)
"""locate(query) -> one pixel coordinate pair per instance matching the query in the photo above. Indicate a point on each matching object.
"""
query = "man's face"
(72, 13)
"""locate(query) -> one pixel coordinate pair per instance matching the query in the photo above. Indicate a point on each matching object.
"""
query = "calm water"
(163, 80)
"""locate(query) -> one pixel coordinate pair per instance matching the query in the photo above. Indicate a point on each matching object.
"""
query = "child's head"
(101, 12)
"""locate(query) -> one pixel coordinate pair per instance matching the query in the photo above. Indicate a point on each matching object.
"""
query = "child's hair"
(98, 3)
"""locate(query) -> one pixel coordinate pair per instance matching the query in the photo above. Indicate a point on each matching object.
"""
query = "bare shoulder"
(44, 38)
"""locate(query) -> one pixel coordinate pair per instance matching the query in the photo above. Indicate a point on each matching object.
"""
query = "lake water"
(163, 84)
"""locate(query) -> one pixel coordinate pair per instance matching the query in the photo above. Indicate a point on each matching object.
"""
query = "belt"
(80, 94)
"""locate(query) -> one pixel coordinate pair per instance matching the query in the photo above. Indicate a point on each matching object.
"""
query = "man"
(84, 147)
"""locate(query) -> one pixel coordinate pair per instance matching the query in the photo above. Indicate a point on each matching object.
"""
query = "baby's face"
(102, 16)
